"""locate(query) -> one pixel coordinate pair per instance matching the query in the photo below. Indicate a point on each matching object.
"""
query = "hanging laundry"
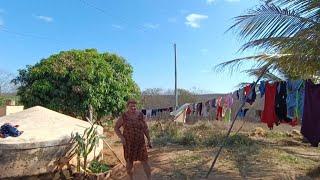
(235, 95)
(295, 99)
(238, 96)
(262, 88)
(227, 115)
(247, 89)
(311, 123)
(281, 103)
(154, 112)
(144, 111)
(8, 129)
(189, 110)
(219, 109)
(204, 111)
(242, 113)
(213, 103)
(194, 108)
(228, 102)
(251, 95)
(149, 113)
(199, 109)
(170, 109)
(241, 95)
(269, 115)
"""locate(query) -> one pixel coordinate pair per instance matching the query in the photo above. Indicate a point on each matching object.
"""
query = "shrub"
(98, 167)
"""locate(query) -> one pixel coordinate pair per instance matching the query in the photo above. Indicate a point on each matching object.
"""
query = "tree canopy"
(72, 80)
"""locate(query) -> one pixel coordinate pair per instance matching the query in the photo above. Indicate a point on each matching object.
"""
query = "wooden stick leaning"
(233, 121)
(113, 152)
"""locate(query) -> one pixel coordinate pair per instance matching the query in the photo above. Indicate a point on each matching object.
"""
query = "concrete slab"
(45, 139)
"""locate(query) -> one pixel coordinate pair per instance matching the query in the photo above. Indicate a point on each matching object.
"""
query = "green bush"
(98, 167)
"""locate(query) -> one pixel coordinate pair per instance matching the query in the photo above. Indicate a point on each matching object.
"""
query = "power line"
(125, 21)
(5, 29)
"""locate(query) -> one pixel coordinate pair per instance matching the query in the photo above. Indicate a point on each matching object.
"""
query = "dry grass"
(280, 154)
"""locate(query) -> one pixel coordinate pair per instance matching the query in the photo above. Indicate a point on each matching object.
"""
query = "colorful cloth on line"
(269, 115)
(251, 95)
(295, 98)
(311, 123)
(228, 101)
(242, 113)
(281, 102)
(262, 88)
(227, 115)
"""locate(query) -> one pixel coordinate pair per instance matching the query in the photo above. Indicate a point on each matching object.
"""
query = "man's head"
(132, 105)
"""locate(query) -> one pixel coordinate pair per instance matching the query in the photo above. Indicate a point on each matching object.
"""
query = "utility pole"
(175, 76)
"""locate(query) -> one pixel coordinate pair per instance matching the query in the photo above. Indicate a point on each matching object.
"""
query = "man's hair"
(131, 101)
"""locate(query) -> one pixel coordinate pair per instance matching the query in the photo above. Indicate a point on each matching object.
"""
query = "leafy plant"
(85, 144)
(98, 167)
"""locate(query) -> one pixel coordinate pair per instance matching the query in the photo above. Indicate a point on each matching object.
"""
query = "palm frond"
(270, 20)
(236, 64)
(270, 76)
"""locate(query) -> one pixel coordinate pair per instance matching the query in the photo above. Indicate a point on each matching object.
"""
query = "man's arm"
(146, 132)
(117, 127)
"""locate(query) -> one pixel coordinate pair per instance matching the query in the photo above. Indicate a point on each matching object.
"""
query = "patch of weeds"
(212, 139)
(98, 167)
(276, 135)
(164, 133)
(299, 162)
(314, 173)
(184, 160)
(187, 138)
(204, 127)
(238, 140)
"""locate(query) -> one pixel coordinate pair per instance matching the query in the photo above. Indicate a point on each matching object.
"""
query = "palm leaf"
(270, 20)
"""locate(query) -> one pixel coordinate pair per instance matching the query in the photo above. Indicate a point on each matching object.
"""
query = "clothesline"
(284, 103)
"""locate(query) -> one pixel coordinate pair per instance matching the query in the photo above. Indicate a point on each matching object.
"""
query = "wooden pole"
(113, 152)
(175, 76)
(233, 121)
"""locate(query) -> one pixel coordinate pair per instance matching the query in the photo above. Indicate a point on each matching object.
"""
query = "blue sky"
(142, 31)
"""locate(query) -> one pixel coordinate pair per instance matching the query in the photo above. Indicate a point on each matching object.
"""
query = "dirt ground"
(281, 154)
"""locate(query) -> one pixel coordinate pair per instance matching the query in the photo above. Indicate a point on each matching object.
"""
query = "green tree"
(70, 81)
(288, 34)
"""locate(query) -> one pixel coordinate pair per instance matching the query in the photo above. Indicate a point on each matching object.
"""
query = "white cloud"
(45, 18)
(210, 1)
(172, 19)
(116, 26)
(193, 20)
(151, 26)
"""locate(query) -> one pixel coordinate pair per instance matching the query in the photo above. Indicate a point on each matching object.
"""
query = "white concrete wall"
(6, 110)
(13, 109)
